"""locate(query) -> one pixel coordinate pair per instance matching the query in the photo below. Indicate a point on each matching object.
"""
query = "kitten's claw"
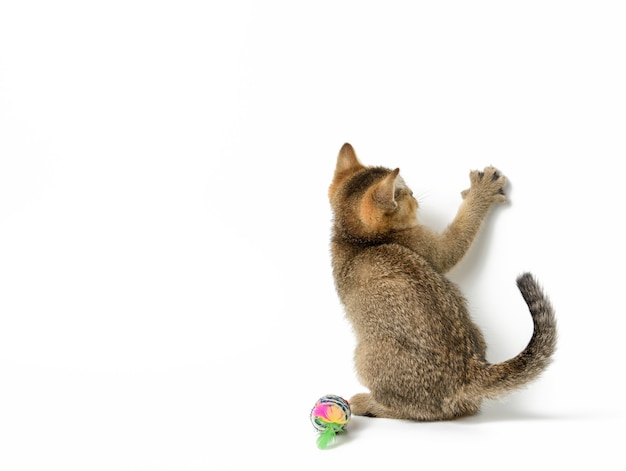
(488, 183)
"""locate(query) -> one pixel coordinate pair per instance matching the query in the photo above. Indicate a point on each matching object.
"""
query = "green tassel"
(328, 435)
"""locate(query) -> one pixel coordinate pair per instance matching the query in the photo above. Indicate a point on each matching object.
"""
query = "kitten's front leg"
(486, 189)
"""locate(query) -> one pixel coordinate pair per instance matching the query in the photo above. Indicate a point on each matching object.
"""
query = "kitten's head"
(369, 202)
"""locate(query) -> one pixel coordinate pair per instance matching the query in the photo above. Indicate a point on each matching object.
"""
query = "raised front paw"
(486, 185)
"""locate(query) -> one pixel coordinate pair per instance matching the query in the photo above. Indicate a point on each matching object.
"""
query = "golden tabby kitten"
(418, 351)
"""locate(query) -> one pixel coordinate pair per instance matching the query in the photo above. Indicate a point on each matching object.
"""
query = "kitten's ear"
(385, 190)
(347, 164)
(347, 160)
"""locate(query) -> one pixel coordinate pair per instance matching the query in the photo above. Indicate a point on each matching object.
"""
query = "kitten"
(418, 351)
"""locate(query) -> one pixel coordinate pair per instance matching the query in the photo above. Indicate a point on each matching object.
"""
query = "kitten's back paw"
(364, 404)
(360, 405)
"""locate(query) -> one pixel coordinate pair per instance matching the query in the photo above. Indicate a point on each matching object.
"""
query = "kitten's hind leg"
(364, 404)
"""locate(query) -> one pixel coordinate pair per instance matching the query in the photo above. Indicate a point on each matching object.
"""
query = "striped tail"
(501, 378)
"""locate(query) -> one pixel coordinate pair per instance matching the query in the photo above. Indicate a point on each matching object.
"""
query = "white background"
(166, 299)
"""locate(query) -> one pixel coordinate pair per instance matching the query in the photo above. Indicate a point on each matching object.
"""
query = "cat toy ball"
(329, 416)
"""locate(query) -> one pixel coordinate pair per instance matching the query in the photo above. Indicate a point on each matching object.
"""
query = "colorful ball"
(329, 416)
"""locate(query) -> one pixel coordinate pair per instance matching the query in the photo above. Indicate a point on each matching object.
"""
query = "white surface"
(166, 299)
